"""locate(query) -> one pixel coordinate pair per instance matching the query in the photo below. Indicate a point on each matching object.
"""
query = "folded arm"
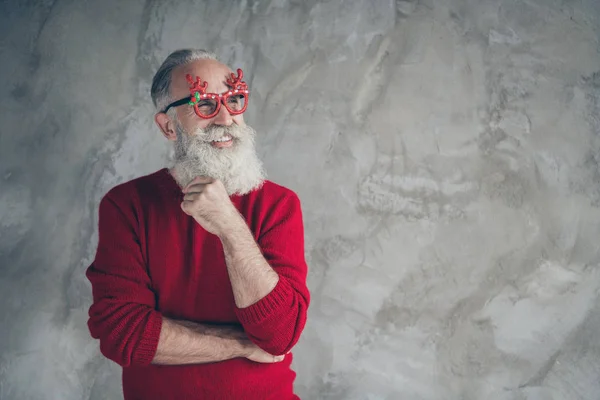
(269, 277)
(185, 342)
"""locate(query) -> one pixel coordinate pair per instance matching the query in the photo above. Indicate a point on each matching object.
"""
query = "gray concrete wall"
(446, 153)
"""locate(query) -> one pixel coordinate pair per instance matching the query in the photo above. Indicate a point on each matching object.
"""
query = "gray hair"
(161, 83)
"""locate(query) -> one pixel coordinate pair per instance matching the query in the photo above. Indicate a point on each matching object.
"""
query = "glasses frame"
(198, 93)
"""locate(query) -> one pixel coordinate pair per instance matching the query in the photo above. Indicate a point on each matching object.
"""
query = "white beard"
(237, 167)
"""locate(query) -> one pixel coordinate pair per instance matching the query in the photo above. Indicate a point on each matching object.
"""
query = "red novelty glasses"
(207, 105)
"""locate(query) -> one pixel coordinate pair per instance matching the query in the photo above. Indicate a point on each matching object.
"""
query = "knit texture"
(153, 260)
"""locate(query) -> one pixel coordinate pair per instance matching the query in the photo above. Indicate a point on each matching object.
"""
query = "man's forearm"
(251, 276)
(185, 342)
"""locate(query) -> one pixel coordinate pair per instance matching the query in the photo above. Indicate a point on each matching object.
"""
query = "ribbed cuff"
(146, 349)
(267, 306)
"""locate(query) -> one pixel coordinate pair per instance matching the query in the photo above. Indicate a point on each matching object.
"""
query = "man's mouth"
(225, 141)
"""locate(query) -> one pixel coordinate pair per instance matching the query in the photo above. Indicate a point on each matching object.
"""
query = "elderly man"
(199, 280)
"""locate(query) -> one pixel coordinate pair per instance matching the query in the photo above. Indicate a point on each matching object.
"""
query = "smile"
(225, 141)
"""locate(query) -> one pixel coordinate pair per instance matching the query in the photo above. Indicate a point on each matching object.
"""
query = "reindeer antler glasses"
(207, 105)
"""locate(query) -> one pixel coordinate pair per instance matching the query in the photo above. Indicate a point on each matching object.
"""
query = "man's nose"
(223, 117)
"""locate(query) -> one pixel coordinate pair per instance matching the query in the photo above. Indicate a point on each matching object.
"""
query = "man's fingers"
(191, 196)
(262, 356)
(202, 179)
(195, 188)
(184, 205)
(198, 181)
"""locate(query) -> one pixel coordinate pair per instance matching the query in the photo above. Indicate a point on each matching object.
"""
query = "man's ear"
(166, 125)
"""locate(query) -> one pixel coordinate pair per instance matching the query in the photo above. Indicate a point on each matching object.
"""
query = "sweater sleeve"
(275, 322)
(123, 313)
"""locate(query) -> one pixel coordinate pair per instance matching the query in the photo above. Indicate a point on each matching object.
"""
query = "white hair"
(161, 83)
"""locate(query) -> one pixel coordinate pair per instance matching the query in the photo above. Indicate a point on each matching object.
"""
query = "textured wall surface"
(446, 152)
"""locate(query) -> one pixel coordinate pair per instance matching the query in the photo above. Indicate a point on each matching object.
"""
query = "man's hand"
(208, 202)
(258, 355)
(248, 349)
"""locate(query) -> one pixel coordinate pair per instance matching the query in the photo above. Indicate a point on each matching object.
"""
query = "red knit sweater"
(153, 259)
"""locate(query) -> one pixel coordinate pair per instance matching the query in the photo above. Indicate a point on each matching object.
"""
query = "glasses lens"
(207, 107)
(236, 103)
